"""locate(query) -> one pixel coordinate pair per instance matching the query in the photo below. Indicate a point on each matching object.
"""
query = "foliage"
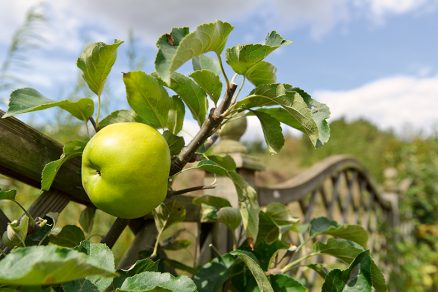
(263, 257)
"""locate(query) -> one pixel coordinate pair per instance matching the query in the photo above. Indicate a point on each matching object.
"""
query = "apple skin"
(125, 169)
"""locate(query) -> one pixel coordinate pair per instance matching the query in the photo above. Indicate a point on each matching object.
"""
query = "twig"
(93, 122)
(212, 122)
(188, 190)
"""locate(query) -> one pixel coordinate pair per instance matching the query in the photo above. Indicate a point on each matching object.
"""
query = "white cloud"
(391, 102)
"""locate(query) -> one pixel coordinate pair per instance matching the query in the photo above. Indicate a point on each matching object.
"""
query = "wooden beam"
(25, 151)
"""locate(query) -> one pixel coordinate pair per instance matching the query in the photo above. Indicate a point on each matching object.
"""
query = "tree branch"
(188, 190)
(207, 129)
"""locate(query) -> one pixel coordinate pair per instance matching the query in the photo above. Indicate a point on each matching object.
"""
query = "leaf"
(285, 283)
(204, 62)
(167, 45)
(320, 269)
(26, 100)
(262, 73)
(70, 236)
(212, 275)
(272, 131)
(206, 38)
(324, 225)
(209, 82)
(8, 195)
(320, 114)
(296, 112)
(70, 150)
(103, 257)
(176, 143)
(230, 217)
(242, 58)
(120, 116)
(176, 114)
(217, 202)
(50, 264)
(96, 62)
(254, 267)
(249, 208)
(86, 218)
(265, 253)
(143, 265)
(153, 281)
(147, 98)
(342, 249)
(178, 265)
(16, 232)
(356, 278)
(192, 95)
(167, 214)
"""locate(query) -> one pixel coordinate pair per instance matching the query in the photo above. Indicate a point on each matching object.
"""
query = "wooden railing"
(338, 188)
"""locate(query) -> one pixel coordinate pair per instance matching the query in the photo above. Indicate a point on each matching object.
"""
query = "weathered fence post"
(229, 144)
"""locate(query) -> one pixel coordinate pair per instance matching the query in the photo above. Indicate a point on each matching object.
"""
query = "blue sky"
(365, 58)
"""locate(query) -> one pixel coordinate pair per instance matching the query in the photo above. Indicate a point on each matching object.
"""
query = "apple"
(125, 169)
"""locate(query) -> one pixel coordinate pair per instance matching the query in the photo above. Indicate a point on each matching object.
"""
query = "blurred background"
(373, 62)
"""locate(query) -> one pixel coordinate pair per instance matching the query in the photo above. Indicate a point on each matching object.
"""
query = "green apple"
(125, 169)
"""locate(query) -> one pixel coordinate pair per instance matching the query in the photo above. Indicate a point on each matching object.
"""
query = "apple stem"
(93, 122)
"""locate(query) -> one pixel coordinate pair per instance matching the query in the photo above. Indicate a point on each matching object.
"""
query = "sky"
(373, 59)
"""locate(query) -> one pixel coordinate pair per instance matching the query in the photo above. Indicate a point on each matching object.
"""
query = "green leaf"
(143, 265)
(254, 267)
(70, 236)
(242, 58)
(262, 73)
(175, 118)
(192, 95)
(249, 207)
(120, 116)
(272, 131)
(266, 253)
(26, 100)
(342, 249)
(176, 143)
(167, 45)
(204, 62)
(296, 111)
(16, 232)
(209, 82)
(212, 275)
(324, 225)
(153, 281)
(103, 257)
(356, 278)
(86, 218)
(70, 150)
(320, 269)
(8, 195)
(230, 217)
(174, 51)
(320, 114)
(96, 62)
(147, 98)
(50, 264)
(167, 214)
(217, 202)
(285, 283)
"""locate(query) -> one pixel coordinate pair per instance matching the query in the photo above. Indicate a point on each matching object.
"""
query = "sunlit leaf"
(96, 62)
(26, 100)
(206, 38)
(209, 82)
